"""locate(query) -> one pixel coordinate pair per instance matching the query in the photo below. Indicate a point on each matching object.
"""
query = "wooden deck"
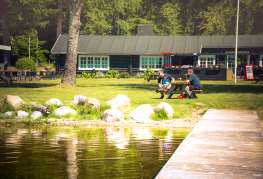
(224, 144)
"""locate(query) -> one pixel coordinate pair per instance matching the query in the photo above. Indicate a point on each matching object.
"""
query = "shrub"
(26, 64)
(92, 74)
(87, 113)
(124, 75)
(85, 75)
(161, 115)
(148, 74)
(4, 107)
(112, 74)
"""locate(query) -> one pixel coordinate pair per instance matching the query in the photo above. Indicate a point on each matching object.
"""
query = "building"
(140, 52)
(4, 55)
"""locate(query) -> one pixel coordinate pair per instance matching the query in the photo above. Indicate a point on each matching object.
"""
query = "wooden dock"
(225, 144)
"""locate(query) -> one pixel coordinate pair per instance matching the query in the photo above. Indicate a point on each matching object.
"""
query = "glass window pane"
(153, 62)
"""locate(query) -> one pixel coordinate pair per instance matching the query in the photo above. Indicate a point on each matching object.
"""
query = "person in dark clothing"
(192, 83)
(165, 84)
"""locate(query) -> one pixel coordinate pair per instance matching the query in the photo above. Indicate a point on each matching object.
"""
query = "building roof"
(4, 47)
(153, 45)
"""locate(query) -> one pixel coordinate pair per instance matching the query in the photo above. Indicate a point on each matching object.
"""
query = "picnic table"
(11, 74)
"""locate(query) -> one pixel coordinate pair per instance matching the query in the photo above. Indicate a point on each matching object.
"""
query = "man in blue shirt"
(165, 84)
(192, 83)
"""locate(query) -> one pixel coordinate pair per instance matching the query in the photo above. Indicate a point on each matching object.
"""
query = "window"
(151, 62)
(93, 62)
(260, 61)
(204, 61)
(230, 61)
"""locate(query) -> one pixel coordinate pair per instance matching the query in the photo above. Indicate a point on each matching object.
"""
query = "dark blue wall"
(124, 61)
(116, 61)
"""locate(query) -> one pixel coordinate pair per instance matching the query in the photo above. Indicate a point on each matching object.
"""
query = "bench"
(259, 78)
(6, 79)
(199, 91)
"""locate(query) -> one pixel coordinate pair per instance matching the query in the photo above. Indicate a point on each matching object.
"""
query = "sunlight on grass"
(217, 94)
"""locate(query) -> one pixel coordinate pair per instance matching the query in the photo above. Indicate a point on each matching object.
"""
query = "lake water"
(74, 152)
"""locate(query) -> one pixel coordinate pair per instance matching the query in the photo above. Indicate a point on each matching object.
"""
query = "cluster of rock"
(115, 114)
(142, 113)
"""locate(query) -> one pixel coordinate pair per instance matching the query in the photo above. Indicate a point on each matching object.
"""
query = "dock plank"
(224, 144)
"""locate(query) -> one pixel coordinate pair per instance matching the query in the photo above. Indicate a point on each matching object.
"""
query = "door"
(230, 62)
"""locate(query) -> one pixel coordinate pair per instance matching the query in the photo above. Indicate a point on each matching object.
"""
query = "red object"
(249, 74)
(167, 66)
(168, 53)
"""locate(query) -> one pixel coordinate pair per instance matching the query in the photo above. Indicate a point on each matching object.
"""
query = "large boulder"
(142, 113)
(119, 101)
(79, 100)
(54, 102)
(65, 111)
(9, 114)
(93, 102)
(113, 115)
(36, 115)
(14, 101)
(22, 114)
(166, 107)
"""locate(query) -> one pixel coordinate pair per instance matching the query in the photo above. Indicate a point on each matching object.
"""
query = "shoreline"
(176, 123)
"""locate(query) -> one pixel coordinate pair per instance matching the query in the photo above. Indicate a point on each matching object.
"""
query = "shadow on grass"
(221, 88)
(27, 85)
(208, 88)
(150, 87)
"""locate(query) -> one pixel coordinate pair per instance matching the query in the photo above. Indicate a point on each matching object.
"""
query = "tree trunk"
(59, 18)
(69, 77)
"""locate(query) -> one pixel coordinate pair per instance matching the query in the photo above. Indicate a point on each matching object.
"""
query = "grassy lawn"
(217, 94)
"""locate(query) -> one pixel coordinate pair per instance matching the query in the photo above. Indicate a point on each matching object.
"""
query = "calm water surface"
(73, 152)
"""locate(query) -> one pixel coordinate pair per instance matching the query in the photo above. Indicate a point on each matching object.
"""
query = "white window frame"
(206, 57)
(93, 64)
(148, 62)
(261, 60)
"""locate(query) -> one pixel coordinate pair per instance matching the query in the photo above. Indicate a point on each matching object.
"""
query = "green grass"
(217, 94)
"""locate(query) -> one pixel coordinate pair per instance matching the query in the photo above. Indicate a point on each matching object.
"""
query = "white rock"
(142, 113)
(8, 114)
(113, 115)
(119, 101)
(22, 114)
(93, 103)
(36, 115)
(79, 100)
(166, 107)
(54, 101)
(14, 101)
(65, 111)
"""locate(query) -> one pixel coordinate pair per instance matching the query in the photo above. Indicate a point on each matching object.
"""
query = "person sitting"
(191, 83)
(165, 84)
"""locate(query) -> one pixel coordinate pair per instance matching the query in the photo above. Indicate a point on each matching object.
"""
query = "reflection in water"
(68, 152)
(72, 166)
(71, 142)
(142, 133)
(14, 138)
(118, 137)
